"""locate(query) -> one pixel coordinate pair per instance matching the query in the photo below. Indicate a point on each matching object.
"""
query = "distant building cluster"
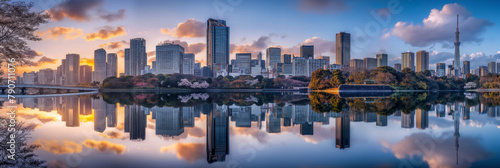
(171, 58)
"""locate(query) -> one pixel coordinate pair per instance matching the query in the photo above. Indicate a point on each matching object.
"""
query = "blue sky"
(258, 24)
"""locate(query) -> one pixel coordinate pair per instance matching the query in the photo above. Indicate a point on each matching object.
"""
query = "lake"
(415, 129)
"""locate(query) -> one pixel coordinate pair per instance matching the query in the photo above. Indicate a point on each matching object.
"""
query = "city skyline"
(323, 40)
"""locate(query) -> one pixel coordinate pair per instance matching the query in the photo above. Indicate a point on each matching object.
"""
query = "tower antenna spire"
(457, 21)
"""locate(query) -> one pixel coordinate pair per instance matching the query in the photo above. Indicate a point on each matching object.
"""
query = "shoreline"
(199, 90)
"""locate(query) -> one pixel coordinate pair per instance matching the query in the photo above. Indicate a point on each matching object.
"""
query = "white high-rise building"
(169, 58)
(99, 73)
(112, 65)
(187, 64)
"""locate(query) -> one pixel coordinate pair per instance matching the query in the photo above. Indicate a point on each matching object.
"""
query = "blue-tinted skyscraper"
(99, 73)
(217, 45)
(127, 61)
(217, 134)
(138, 57)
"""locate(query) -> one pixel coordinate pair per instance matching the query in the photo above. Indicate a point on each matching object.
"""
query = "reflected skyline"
(276, 117)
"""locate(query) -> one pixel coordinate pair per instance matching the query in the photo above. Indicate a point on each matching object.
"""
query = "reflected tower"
(342, 131)
(99, 107)
(217, 134)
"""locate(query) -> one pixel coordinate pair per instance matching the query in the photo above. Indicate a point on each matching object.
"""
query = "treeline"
(404, 80)
(404, 102)
(151, 81)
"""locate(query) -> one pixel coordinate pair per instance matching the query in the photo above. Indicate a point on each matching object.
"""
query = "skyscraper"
(72, 69)
(466, 67)
(169, 58)
(187, 64)
(343, 49)
(243, 61)
(408, 60)
(326, 58)
(307, 51)
(369, 63)
(356, 64)
(440, 69)
(217, 134)
(286, 58)
(422, 60)
(86, 74)
(217, 45)
(381, 59)
(99, 73)
(397, 67)
(457, 49)
(127, 60)
(273, 56)
(138, 56)
(112, 65)
(492, 67)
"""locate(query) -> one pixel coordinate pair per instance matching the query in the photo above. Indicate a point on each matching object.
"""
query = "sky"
(389, 26)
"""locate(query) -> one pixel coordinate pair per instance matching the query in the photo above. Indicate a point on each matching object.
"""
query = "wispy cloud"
(105, 33)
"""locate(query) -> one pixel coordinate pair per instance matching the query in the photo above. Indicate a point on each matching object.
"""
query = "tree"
(337, 78)
(25, 156)
(320, 79)
(17, 25)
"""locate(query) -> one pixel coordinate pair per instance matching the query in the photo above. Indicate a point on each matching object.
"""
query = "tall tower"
(217, 46)
(457, 49)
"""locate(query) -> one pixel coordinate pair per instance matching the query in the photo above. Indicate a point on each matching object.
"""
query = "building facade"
(217, 46)
(343, 49)
(382, 60)
(169, 58)
(422, 60)
(307, 51)
(408, 60)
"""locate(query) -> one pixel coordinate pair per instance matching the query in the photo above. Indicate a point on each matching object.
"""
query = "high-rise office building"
(126, 54)
(243, 62)
(382, 59)
(356, 64)
(369, 63)
(408, 60)
(187, 64)
(314, 64)
(112, 65)
(197, 69)
(326, 58)
(99, 73)
(397, 67)
(259, 58)
(46, 76)
(286, 58)
(86, 74)
(492, 67)
(466, 67)
(422, 60)
(408, 120)
(307, 51)
(169, 121)
(72, 69)
(273, 56)
(169, 58)
(343, 49)
(138, 56)
(440, 69)
(217, 45)
(299, 66)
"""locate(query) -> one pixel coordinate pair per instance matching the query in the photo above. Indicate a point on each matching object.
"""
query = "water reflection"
(175, 115)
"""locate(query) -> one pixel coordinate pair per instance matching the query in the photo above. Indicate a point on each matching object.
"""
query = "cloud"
(74, 9)
(439, 26)
(440, 151)
(113, 45)
(105, 146)
(322, 6)
(110, 17)
(33, 53)
(194, 48)
(262, 43)
(87, 61)
(480, 59)
(42, 61)
(201, 61)
(121, 53)
(439, 57)
(80, 10)
(321, 47)
(191, 152)
(67, 32)
(105, 33)
(66, 147)
(190, 28)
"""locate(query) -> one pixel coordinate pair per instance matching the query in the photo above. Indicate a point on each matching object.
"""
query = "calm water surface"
(265, 130)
